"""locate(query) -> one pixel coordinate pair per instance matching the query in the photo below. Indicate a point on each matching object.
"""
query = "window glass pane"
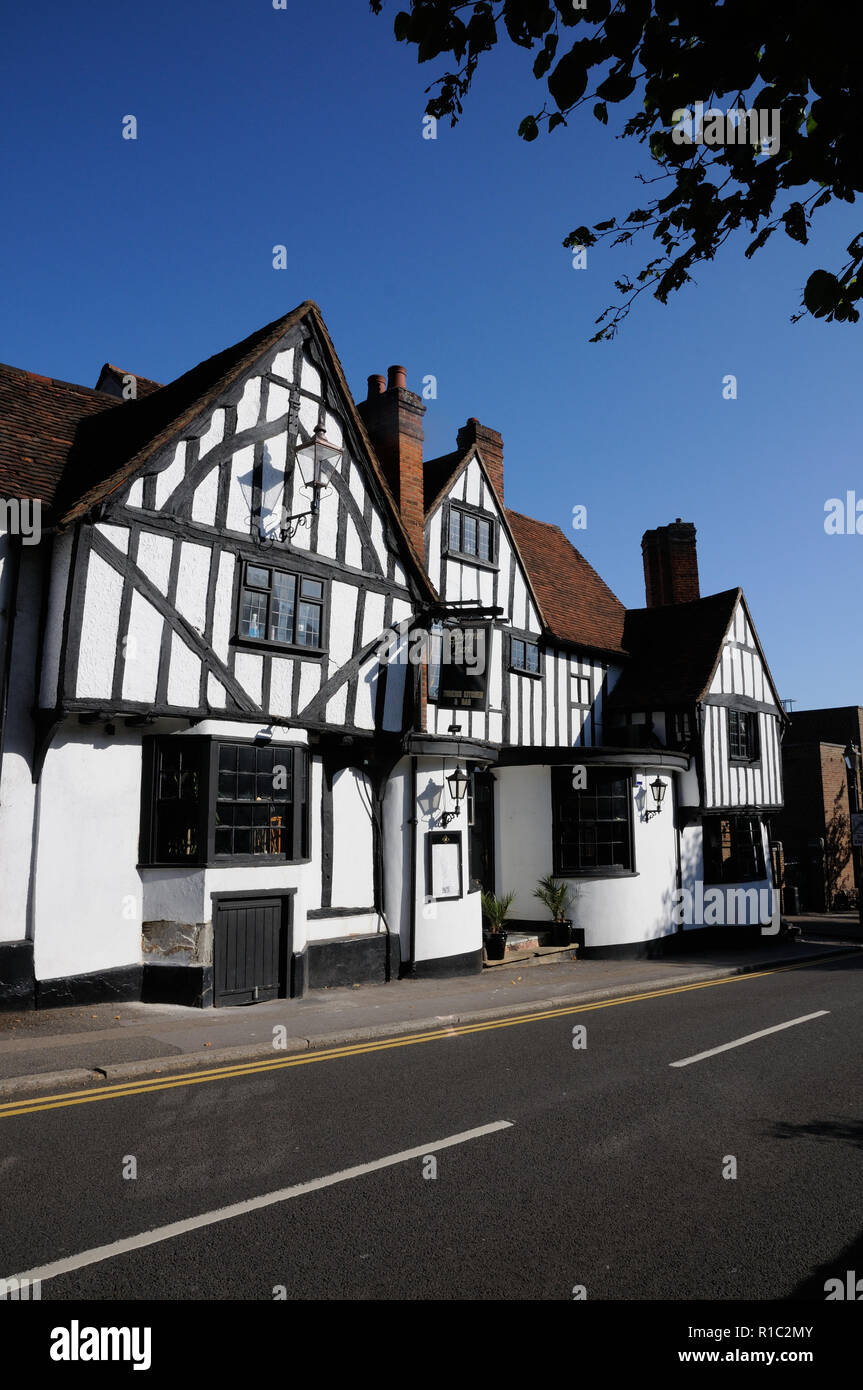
(282, 778)
(309, 624)
(434, 661)
(227, 786)
(483, 549)
(228, 757)
(282, 608)
(224, 839)
(532, 657)
(259, 578)
(517, 653)
(253, 614)
(312, 588)
(169, 783)
(246, 786)
(454, 529)
(177, 806)
(468, 533)
(242, 840)
(265, 757)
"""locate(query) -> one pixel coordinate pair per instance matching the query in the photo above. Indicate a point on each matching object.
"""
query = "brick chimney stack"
(490, 445)
(670, 564)
(393, 416)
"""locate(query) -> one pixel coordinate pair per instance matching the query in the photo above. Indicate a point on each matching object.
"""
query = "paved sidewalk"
(67, 1048)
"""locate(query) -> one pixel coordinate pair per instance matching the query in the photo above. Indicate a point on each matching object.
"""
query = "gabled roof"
(574, 604)
(440, 473)
(577, 606)
(110, 453)
(73, 448)
(39, 418)
(674, 651)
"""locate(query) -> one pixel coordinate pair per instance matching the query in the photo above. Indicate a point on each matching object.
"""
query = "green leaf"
(402, 26)
(528, 130)
(794, 221)
(600, 111)
(617, 86)
(822, 293)
(546, 57)
(568, 80)
(759, 241)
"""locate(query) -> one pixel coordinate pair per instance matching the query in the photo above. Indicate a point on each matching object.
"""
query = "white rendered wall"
(396, 838)
(353, 878)
(61, 555)
(17, 792)
(613, 911)
(87, 893)
(443, 928)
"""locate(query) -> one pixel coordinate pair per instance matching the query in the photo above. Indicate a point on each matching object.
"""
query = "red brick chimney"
(490, 445)
(670, 564)
(393, 416)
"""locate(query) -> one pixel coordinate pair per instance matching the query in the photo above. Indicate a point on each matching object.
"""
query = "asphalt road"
(609, 1175)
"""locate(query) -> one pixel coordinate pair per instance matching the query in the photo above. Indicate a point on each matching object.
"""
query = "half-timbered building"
(253, 641)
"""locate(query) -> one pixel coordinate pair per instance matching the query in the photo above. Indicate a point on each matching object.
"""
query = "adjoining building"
(823, 789)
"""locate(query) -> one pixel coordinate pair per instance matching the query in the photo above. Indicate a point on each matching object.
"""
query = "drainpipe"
(412, 822)
(675, 811)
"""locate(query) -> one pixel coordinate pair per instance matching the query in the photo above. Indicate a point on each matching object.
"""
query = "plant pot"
(561, 933)
(495, 945)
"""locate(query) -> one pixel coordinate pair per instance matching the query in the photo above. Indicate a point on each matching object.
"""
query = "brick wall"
(393, 416)
(490, 445)
(670, 564)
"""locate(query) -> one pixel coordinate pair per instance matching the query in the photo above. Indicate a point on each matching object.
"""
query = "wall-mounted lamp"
(658, 790)
(852, 762)
(316, 462)
(457, 783)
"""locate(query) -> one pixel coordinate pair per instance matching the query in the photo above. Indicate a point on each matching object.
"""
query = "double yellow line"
(120, 1090)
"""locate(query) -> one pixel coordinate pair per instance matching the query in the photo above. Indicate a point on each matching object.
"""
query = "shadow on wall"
(837, 849)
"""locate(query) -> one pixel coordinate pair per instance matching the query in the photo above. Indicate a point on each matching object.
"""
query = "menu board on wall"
(444, 864)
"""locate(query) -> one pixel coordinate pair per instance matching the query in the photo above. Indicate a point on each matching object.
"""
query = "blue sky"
(303, 127)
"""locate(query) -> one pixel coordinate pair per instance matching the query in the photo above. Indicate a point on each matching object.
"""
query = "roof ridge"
(50, 380)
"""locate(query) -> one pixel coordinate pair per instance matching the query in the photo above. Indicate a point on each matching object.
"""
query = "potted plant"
(556, 894)
(495, 911)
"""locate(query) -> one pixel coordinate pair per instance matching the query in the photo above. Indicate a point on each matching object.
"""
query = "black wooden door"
(481, 830)
(249, 950)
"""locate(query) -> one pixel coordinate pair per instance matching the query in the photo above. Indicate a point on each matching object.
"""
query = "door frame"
(488, 833)
(286, 950)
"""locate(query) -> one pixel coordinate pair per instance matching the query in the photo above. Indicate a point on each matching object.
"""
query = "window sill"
(257, 644)
(533, 675)
(269, 861)
(472, 560)
(597, 873)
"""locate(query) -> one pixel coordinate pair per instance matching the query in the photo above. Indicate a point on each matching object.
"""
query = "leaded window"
(743, 741)
(280, 607)
(733, 849)
(592, 824)
(471, 535)
(207, 801)
(524, 656)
